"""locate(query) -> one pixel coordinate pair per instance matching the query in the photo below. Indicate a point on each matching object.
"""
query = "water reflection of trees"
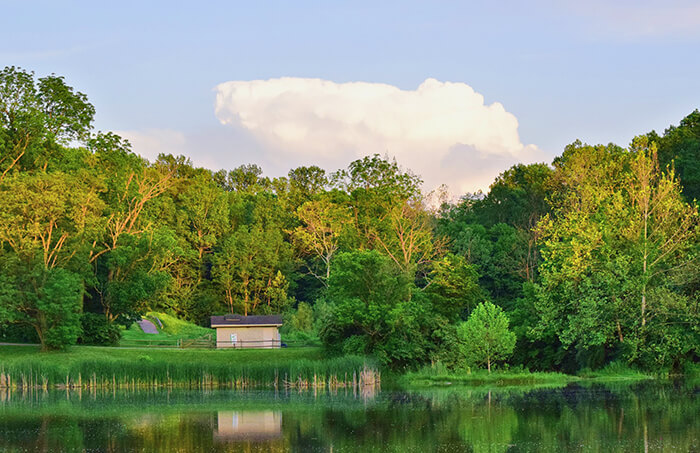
(601, 418)
(627, 418)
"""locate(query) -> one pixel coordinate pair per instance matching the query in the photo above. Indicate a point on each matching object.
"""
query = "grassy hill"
(170, 330)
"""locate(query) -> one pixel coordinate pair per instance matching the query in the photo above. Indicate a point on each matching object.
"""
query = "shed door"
(234, 339)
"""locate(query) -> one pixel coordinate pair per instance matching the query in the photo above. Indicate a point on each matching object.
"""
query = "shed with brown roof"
(237, 331)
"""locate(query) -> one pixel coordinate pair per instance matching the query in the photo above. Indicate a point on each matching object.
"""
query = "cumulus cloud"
(442, 131)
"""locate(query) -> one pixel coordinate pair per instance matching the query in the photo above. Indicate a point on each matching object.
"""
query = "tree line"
(576, 264)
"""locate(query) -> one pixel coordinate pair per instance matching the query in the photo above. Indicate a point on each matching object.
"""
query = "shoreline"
(105, 367)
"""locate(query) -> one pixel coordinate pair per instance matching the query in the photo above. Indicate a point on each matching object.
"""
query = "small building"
(236, 331)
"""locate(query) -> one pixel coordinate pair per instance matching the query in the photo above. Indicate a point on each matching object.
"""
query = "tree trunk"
(229, 299)
(619, 331)
(40, 334)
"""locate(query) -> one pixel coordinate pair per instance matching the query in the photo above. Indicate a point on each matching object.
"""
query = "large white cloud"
(442, 131)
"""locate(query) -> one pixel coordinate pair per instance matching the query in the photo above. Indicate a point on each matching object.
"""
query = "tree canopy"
(589, 260)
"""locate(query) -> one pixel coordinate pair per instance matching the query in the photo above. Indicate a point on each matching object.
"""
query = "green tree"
(47, 300)
(619, 231)
(197, 210)
(323, 224)
(375, 172)
(129, 255)
(375, 308)
(495, 232)
(303, 319)
(680, 147)
(485, 336)
(131, 275)
(363, 287)
(35, 116)
(454, 284)
(305, 183)
(51, 217)
(247, 269)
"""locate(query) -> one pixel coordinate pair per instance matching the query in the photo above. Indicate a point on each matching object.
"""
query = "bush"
(303, 319)
(97, 331)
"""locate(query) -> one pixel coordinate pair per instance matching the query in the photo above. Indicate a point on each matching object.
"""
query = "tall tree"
(247, 268)
(619, 232)
(45, 299)
(35, 116)
(323, 224)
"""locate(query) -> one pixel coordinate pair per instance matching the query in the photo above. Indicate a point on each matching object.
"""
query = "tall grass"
(217, 369)
(615, 371)
(438, 375)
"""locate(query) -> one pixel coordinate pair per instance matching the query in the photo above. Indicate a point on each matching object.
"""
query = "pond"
(646, 416)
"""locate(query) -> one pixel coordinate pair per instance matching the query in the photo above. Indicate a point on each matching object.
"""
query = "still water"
(650, 416)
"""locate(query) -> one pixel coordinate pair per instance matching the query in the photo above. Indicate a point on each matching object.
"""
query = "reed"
(437, 375)
(214, 371)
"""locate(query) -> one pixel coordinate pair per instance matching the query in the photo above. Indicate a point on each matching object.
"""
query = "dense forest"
(586, 261)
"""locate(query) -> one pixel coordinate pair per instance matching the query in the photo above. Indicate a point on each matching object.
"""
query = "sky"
(456, 91)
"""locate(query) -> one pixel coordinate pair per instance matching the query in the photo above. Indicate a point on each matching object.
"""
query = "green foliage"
(680, 148)
(50, 217)
(485, 336)
(248, 269)
(303, 319)
(374, 172)
(48, 300)
(97, 331)
(35, 115)
(133, 274)
(595, 259)
(618, 247)
(454, 286)
(374, 308)
(364, 287)
(495, 232)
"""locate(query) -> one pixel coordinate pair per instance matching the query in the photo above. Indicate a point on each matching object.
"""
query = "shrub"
(97, 331)
(303, 319)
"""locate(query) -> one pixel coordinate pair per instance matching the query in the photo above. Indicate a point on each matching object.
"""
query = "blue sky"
(599, 71)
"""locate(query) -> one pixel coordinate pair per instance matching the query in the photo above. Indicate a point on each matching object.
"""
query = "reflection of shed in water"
(261, 425)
